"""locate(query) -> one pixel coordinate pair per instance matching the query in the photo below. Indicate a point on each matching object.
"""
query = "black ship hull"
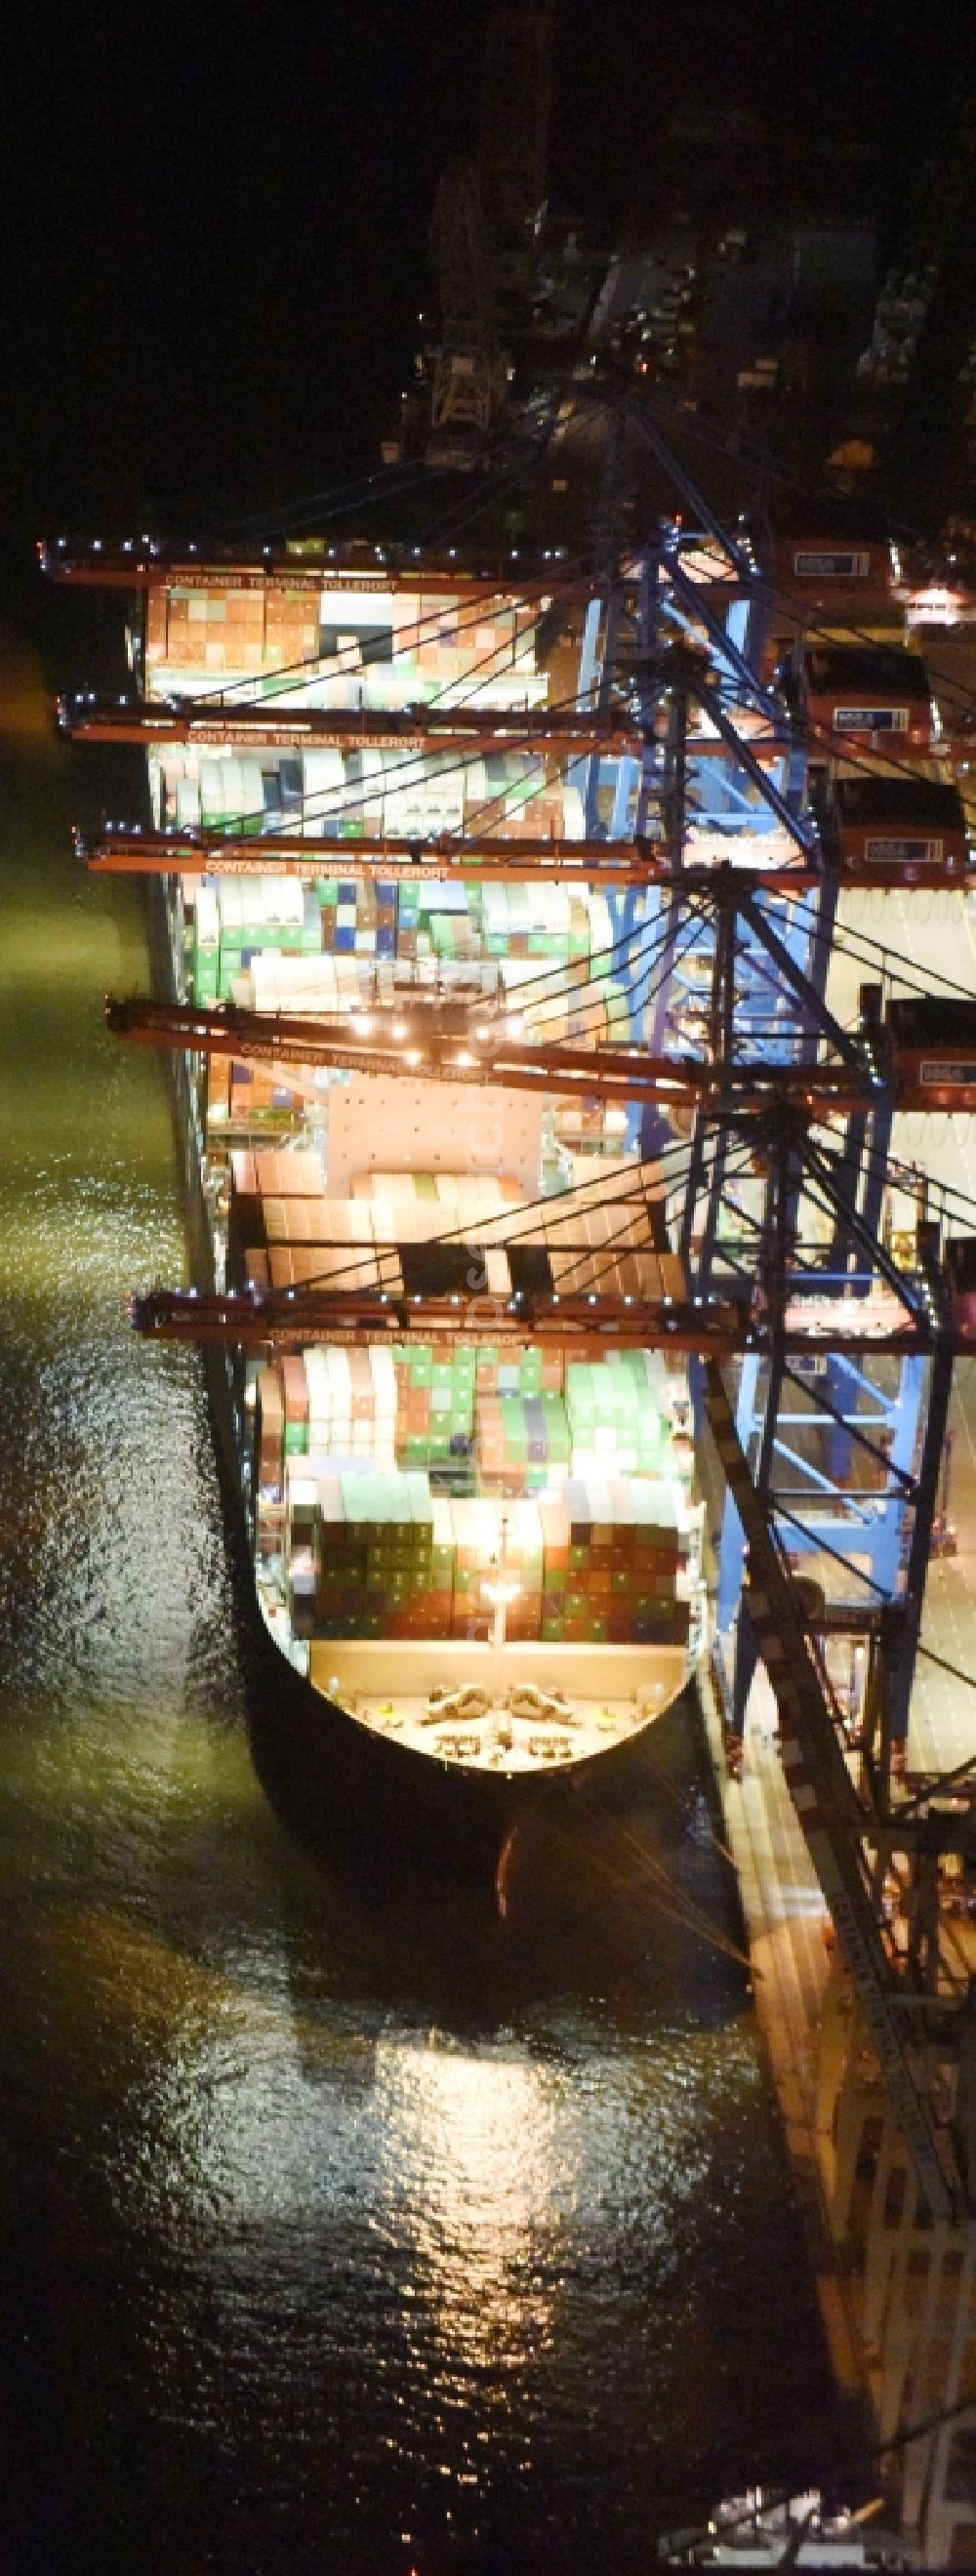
(336, 1783)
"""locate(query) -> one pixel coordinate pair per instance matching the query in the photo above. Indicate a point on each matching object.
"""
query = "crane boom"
(198, 850)
(444, 1040)
(585, 1327)
(467, 730)
(239, 851)
(445, 1055)
(581, 1325)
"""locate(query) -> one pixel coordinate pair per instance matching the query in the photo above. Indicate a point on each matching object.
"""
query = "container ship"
(559, 954)
(477, 1558)
(511, 956)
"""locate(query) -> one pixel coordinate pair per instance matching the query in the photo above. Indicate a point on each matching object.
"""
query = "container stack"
(373, 1553)
(204, 631)
(612, 1552)
(434, 1404)
(269, 1433)
(616, 1418)
(522, 1441)
(378, 1573)
(291, 626)
(206, 947)
(257, 1181)
(276, 943)
(295, 1391)
(503, 1418)
(490, 1542)
(262, 915)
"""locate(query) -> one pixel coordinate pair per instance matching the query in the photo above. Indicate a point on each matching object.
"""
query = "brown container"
(295, 1387)
(218, 1085)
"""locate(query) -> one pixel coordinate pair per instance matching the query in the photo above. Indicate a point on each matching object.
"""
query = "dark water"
(330, 2240)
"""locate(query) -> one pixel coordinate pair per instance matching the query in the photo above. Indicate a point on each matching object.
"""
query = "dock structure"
(688, 915)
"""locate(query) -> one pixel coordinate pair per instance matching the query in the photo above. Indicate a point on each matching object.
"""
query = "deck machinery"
(825, 1351)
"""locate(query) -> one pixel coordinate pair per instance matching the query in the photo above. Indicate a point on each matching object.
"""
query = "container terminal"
(567, 981)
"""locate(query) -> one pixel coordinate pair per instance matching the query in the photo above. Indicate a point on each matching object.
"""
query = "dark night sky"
(214, 217)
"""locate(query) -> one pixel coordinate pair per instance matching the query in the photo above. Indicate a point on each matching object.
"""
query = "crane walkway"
(942, 1729)
(789, 1947)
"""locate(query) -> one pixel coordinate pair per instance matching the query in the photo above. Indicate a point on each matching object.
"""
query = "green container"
(513, 1427)
(579, 1392)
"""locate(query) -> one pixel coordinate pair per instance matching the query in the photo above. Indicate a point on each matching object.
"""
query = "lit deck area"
(523, 1707)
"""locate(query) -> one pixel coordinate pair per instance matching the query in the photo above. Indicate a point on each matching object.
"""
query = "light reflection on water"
(320, 2228)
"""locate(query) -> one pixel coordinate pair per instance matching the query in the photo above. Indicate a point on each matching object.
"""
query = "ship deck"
(486, 1719)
